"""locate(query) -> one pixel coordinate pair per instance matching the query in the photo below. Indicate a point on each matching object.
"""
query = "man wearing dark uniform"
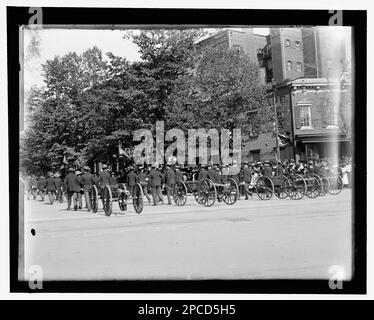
(51, 187)
(203, 174)
(143, 180)
(155, 180)
(80, 193)
(178, 174)
(87, 182)
(58, 184)
(211, 173)
(131, 180)
(41, 187)
(267, 171)
(169, 181)
(72, 187)
(104, 180)
(247, 177)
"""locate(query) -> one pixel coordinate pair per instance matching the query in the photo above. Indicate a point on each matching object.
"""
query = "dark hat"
(71, 169)
(86, 168)
(78, 172)
(104, 166)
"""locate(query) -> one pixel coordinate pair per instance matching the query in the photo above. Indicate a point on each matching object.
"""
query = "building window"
(288, 42)
(298, 66)
(332, 116)
(237, 48)
(305, 116)
(297, 44)
(289, 65)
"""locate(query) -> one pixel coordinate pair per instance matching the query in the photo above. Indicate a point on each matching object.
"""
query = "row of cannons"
(206, 192)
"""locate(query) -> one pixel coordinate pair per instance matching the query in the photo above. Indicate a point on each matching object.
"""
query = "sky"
(62, 41)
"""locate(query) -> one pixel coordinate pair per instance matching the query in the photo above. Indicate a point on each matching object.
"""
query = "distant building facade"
(311, 121)
(245, 41)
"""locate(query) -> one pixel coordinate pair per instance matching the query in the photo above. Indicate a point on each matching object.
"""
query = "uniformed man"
(113, 179)
(211, 173)
(27, 187)
(143, 180)
(72, 187)
(267, 171)
(247, 177)
(41, 187)
(87, 183)
(51, 187)
(104, 180)
(169, 181)
(34, 186)
(178, 173)
(78, 173)
(58, 184)
(155, 180)
(203, 174)
(131, 180)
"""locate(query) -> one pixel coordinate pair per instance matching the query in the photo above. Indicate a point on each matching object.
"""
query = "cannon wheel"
(264, 188)
(137, 198)
(207, 192)
(180, 193)
(108, 201)
(335, 185)
(298, 188)
(313, 186)
(122, 197)
(325, 185)
(231, 194)
(283, 188)
(95, 199)
(319, 182)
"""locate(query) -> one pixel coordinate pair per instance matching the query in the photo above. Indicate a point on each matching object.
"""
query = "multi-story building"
(282, 57)
(326, 51)
(245, 41)
(311, 112)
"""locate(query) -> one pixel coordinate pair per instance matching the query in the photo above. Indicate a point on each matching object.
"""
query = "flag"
(122, 152)
(64, 162)
(283, 140)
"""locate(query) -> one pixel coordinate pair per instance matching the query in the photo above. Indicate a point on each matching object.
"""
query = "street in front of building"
(253, 239)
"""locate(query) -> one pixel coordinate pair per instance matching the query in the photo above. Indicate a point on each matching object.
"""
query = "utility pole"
(276, 122)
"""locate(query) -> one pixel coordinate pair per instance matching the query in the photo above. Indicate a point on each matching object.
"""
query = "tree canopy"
(92, 101)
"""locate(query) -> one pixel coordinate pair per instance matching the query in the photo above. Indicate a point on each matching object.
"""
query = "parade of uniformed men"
(199, 154)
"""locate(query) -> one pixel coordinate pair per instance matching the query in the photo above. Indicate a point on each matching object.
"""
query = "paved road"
(252, 239)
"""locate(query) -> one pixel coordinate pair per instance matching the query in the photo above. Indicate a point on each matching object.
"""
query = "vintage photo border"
(81, 17)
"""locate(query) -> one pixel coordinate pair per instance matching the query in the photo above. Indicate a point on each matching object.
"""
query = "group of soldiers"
(157, 180)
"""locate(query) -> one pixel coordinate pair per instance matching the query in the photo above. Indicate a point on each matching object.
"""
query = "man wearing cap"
(267, 171)
(143, 180)
(155, 180)
(58, 184)
(131, 180)
(104, 180)
(87, 182)
(247, 177)
(51, 187)
(203, 174)
(72, 187)
(78, 173)
(169, 181)
(41, 187)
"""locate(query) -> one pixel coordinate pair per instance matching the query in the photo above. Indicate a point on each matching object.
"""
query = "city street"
(254, 239)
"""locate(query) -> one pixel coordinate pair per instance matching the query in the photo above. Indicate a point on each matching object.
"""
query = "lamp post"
(276, 122)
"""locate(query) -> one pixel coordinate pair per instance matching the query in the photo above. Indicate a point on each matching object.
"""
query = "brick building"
(282, 57)
(245, 41)
(310, 111)
(326, 51)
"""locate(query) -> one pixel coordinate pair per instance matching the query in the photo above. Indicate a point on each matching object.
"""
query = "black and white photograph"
(187, 152)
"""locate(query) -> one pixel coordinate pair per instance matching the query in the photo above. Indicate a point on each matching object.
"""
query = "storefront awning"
(318, 139)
